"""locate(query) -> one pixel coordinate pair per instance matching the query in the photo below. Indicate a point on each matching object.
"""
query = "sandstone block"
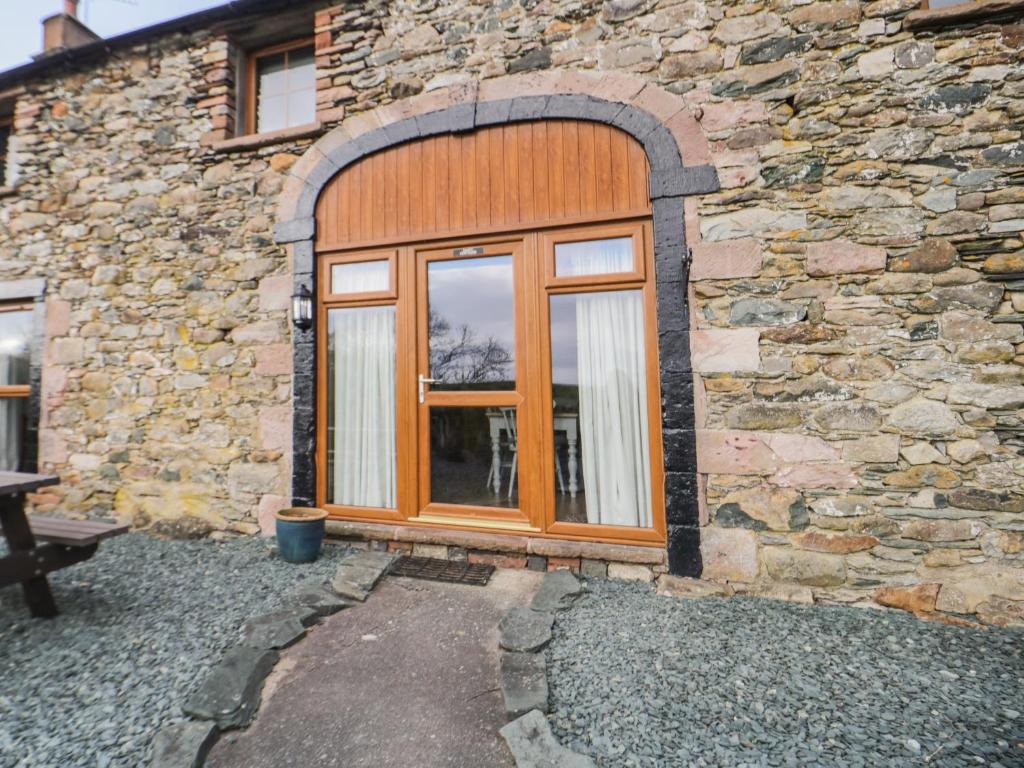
(924, 476)
(763, 416)
(876, 449)
(792, 448)
(630, 572)
(922, 453)
(987, 396)
(733, 452)
(842, 257)
(682, 586)
(848, 417)
(965, 451)
(274, 360)
(728, 554)
(942, 530)
(275, 293)
(825, 475)
(843, 506)
(923, 418)
(836, 543)
(725, 350)
(69, 351)
(981, 585)
(729, 114)
(726, 260)
(917, 598)
(812, 569)
(1000, 612)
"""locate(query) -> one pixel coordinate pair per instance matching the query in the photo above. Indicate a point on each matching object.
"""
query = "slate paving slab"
(524, 683)
(319, 596)
(183, 745)
(533, 745)
(278, 629)
(359, 573)
(525, 630)
(557, 592)
(230, 694)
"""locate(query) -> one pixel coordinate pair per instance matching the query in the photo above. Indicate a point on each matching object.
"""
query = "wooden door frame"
(520, 250)
(535, 285)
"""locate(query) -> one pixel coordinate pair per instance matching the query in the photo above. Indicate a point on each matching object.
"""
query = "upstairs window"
(282, 87)
(6, 130)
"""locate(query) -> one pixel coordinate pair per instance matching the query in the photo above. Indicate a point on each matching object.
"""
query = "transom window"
(282, 87)
(15, 332)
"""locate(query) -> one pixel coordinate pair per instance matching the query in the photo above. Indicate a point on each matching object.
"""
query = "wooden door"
(472, 391)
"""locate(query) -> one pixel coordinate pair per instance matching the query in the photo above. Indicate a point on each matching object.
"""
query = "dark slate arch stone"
(670, 182)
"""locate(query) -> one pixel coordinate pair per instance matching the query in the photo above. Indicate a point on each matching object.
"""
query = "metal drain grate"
(451, 571)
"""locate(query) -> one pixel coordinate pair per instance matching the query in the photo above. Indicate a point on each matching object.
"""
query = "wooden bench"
(67, 541)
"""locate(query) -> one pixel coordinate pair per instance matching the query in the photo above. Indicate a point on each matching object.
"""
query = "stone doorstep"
(499, 542)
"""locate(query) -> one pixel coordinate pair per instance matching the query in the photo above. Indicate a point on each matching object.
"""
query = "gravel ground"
(140, 624)
(639, 679)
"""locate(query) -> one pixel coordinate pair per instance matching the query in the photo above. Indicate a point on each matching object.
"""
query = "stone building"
(745, 279)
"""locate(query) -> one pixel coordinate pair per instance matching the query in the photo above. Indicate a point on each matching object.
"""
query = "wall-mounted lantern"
(302, 308)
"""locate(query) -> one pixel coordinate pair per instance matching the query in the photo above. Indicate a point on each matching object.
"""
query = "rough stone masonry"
(857, 283)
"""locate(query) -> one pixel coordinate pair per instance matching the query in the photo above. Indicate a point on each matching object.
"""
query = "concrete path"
(409, 678)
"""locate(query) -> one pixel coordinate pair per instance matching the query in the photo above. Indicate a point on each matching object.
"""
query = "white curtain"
(365, 469)
(10, 421)
(614, 430)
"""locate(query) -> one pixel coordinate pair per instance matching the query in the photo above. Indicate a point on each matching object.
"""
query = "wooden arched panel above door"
(524, 175)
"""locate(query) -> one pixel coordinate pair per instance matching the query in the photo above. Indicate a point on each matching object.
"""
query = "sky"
(21, 32)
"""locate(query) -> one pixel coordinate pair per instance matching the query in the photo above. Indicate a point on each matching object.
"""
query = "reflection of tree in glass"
(457, 357)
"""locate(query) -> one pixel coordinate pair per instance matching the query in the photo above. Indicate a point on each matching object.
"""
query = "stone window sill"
(257, 140)
(971, 11)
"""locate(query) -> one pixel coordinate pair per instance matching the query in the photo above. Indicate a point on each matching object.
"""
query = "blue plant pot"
(300, 533)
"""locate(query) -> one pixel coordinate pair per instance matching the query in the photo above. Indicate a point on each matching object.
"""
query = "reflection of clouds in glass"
(476, 293)
(14, 332)
(563, 340)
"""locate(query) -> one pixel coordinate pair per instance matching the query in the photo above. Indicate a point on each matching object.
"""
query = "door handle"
(424, 380)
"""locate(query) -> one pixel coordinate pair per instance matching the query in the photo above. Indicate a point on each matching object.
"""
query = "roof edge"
(105, 46)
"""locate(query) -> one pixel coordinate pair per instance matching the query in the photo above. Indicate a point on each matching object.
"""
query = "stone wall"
(856, 285)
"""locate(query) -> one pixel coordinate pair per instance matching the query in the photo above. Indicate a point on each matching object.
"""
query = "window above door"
(281, 87)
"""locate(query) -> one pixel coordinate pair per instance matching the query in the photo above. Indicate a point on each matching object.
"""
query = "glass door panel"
(468, 386)
(474, 456)
(471, 323)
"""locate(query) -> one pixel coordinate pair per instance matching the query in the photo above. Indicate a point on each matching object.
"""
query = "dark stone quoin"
(670, 182)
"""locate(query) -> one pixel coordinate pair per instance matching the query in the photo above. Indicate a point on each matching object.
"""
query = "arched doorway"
(488, 345)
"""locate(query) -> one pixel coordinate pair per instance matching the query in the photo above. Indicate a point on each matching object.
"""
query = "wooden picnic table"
(28, 562)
